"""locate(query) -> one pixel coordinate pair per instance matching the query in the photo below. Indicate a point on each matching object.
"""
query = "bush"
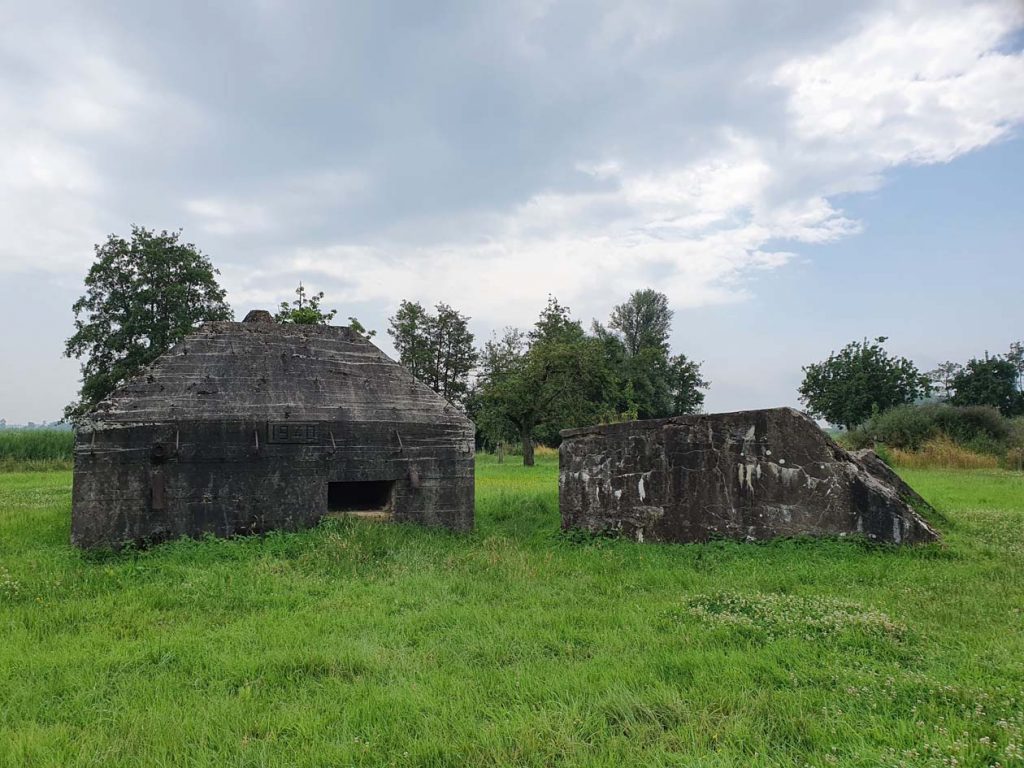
(981, 423)
(1016, 439)
(855, 439)
(909, 427)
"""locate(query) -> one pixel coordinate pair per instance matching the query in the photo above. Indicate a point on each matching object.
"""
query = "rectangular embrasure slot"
(364, 498)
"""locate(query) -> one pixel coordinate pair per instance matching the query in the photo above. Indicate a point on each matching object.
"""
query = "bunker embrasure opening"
(359, 496)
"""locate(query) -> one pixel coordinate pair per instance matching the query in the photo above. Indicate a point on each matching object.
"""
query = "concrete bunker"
(253, 426)
(749, 475)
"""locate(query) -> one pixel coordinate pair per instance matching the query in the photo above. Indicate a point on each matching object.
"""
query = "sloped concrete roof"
(273, 370)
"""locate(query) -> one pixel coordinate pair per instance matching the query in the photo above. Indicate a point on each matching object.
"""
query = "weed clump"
(10, 588)
(773, 616)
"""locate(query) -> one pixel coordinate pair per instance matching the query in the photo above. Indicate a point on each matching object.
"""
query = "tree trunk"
(527, 448)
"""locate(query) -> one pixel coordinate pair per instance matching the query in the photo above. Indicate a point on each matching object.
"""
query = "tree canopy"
(651, 383)
(556, 376)
(553, 377)
(643, 321)
(858, 381)
(1016, 358)
(437, 348)
(941, 378)
(143, 294)
(988, 381)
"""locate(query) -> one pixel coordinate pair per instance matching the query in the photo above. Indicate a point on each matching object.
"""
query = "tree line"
(862, 380)
(147, 292)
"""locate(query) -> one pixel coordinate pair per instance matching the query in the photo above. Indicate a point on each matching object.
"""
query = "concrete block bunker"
(254, 426)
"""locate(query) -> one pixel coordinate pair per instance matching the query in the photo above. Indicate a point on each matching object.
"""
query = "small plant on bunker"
(360, 329)
(304, 309)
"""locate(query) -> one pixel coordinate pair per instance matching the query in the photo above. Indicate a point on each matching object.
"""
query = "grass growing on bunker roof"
(366, 644)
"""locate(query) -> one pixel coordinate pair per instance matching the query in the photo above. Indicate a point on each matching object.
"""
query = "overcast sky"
(793, 175)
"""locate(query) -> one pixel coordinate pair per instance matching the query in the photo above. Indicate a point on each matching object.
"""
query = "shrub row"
(979, 428)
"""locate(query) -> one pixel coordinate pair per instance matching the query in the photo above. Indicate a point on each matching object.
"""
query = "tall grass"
(942, 453)
(35, 448)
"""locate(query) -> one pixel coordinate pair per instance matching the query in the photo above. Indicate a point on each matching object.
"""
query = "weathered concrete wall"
(241, 428)
(747, 475)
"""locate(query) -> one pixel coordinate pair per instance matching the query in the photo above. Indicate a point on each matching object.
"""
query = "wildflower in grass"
(812, 618)
(10, 587)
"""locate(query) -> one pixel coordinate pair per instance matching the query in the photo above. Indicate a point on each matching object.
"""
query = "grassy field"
(371, 645)
(35, 449)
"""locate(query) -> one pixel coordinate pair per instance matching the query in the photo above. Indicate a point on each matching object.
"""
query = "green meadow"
(362, 644)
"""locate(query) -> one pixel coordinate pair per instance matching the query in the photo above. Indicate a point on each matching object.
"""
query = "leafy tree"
(501, 361)
(859, 380)
(455, 355)
(438, 349)
(621, 396)
(142, 295)
(685, 384)
(553, 377)
(409, 329)
(645, 384)
(556, 326)
(651, 382)
(991, 381)
(305, 309)
(942, 377)
(644, 321)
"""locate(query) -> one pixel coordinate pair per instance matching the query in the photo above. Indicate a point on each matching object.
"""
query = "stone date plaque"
(294, 432)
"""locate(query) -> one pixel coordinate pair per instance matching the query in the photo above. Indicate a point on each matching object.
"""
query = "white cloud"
(229, 217)
(46, 213)
(922, 84)
(755, 177)
(287, 203)
(912, 86)
(62, 92)
(486, 155)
